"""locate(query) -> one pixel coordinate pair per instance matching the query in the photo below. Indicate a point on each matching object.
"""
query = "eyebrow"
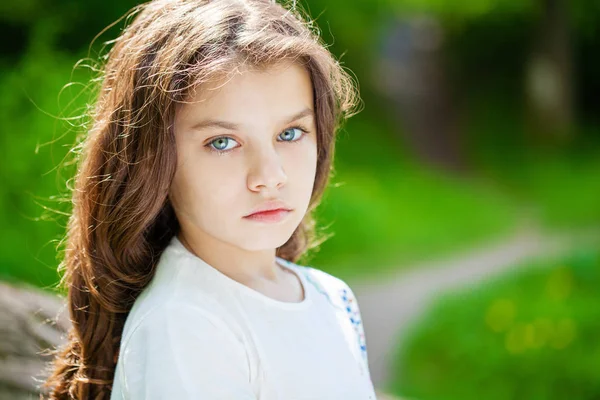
(212, 123)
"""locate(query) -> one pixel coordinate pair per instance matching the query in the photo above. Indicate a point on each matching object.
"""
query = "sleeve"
(183, 352)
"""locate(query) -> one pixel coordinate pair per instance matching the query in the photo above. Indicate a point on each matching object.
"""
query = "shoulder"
(178, 300)
(334, 288)
(342, 297)
(182, 335)
(179, 350)
(338, 291)
(175, 317)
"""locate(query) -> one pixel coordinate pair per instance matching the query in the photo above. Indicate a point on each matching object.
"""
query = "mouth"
(274, 215)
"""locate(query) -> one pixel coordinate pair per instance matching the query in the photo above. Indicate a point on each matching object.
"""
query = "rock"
(32, 321)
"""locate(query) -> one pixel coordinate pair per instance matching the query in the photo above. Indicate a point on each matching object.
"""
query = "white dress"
(195, 333)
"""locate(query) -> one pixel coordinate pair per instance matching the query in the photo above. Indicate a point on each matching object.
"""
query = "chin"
(264, 240)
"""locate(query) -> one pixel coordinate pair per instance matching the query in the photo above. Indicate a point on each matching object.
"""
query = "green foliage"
(36, 138)
(463, 9)
(532, 334)
(560, 186)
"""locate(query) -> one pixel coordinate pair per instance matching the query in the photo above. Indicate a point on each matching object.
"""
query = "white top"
(195, 333)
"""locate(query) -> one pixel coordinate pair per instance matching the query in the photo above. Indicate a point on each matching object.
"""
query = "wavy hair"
(121, 218)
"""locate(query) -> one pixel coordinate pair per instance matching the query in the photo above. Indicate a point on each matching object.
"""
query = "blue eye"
(220, 144)
(293, 133)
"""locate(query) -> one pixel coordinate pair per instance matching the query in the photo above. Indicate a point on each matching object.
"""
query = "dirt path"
(388, 306)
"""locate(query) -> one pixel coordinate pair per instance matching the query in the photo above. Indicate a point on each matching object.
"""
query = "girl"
(211, 145)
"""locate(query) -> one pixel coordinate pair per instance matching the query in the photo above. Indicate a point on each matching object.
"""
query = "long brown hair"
(121, 219)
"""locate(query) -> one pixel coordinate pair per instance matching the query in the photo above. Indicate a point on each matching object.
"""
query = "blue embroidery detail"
(354, 315)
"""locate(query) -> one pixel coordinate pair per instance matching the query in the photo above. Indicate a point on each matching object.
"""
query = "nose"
(266, 171)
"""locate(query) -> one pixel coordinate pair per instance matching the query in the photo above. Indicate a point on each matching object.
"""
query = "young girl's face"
(241, 142)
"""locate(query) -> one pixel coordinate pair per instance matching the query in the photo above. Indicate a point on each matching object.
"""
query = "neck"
(239, 264)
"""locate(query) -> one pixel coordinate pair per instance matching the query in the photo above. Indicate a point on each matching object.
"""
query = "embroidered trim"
(353, 313)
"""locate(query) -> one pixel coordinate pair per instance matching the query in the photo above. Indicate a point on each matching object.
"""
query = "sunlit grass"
(530, 334)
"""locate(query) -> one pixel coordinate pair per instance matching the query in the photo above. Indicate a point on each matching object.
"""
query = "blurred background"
(465, 208)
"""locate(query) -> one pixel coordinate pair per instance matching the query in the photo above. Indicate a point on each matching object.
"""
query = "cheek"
(302, 164)
(205, 189)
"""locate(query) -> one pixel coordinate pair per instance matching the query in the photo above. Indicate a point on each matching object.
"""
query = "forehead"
(251, 92)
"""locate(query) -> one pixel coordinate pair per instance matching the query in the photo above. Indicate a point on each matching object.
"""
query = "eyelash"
(223, 152)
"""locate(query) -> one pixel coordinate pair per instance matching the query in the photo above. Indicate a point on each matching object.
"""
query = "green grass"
(531, 334)
(390, 218)
(564, 191)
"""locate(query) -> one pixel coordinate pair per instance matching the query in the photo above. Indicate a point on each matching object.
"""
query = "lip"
(271, 207)
(269, 216)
